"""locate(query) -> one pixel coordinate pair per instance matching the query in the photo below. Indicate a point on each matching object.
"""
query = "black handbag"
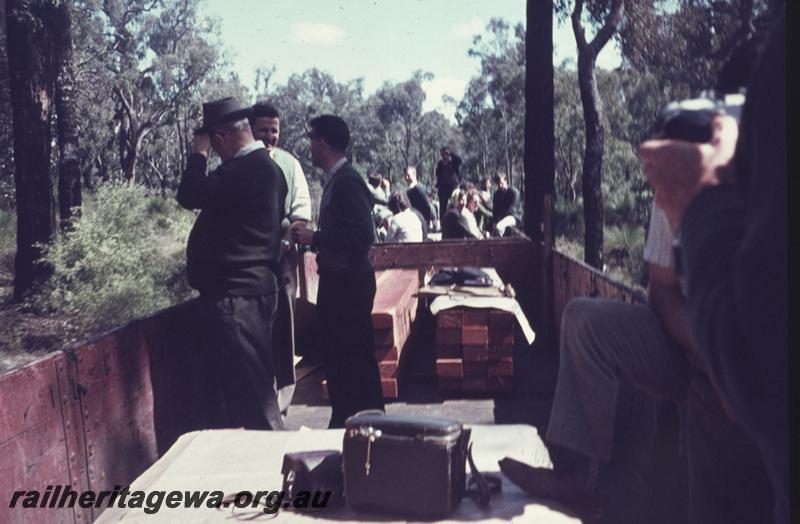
(313, 472)
(462, 276)
(413, 466)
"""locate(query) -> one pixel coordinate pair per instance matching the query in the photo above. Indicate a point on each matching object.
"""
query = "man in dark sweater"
(734, 244)
(448, 177)
(231, 258)
(418, 196)
(505, 206)
(346, 279)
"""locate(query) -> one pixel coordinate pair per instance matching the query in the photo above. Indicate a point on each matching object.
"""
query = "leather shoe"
(576, 485)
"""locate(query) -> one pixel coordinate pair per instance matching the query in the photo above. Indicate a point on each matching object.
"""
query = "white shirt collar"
(249, 148)
(333, 171)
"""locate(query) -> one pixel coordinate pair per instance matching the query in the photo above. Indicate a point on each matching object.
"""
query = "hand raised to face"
(678, 170)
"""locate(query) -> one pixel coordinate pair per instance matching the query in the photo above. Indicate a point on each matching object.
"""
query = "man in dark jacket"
(505, 206)
(346, 279)
(418, 197)
(231, 258)
(734, 244)
(448, 178)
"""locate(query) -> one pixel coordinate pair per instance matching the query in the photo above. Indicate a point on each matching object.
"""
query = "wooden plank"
(475, 317)
(449, 368)
(499, 252)
(475, 335)
(572, 278)
(499, 337)
(476, 352)
(388, 368)
(28, 398)
(308, 277)
(448, 336)
(499, 352)
(33, 441)
(475, 369)
(117, 403)
(384, 353)
(450, 318)
(449, 351)
(500, 320)
(502, 367)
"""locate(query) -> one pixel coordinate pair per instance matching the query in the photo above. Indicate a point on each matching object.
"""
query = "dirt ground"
(24, 334)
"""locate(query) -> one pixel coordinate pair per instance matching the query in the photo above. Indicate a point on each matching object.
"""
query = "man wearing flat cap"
(232, 255)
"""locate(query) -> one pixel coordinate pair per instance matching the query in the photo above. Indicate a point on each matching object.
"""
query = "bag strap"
(480, 487)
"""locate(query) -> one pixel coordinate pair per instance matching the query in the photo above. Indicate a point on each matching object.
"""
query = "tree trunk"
(69, 174)
(539, 159)
(592, 161)
(31, 79)
(592, 117)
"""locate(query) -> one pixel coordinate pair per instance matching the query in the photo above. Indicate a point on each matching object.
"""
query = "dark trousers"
(344, 313)
(444, 193)
(240, 342)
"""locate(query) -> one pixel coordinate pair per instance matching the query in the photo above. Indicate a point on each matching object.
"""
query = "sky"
(377, 40)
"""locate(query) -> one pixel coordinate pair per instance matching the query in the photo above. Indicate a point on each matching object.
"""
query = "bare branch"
(577, 27)
(609, 27)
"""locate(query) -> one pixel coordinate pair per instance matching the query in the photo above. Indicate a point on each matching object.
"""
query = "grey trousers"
(602, 340)
(240, 342)
(606, 345)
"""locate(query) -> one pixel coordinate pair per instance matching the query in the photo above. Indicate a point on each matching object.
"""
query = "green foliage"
(623, 253)
(8, 236)
(123, 260)
(491, 115)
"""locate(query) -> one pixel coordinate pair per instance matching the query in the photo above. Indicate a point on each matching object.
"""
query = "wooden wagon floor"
(529, 403)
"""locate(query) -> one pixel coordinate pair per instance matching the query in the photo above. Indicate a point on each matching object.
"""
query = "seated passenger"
(470, 212)
(606, 347)
(456, 221)
(505, 206)
(404, 225)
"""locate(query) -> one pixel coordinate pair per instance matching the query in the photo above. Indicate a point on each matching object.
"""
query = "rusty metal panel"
(33, 444)
(116, 403)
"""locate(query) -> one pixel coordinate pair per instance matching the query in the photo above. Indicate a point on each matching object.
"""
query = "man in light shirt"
(266, 124)
(404, 225)
(469, 210)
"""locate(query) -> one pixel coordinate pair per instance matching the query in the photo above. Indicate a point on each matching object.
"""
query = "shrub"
(123, 260)
(624, 250)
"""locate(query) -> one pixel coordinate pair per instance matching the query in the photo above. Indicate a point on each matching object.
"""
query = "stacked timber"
(393, 313)
(474, 349)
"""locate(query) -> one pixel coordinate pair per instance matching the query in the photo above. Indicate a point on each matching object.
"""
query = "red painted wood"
(449, 368)
(33, 443)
